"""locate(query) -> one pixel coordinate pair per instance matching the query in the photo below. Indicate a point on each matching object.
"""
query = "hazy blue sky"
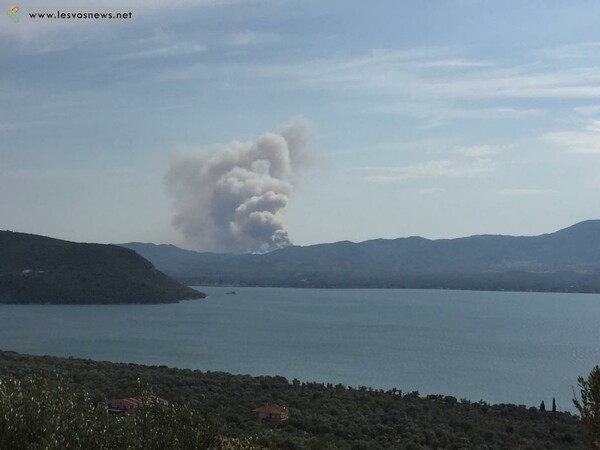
(434, 118)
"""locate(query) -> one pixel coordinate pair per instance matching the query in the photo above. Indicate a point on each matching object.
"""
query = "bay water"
(497, 346)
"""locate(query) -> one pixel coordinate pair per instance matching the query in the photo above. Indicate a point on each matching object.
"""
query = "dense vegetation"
(321, 416)
(37, 269)
(565, 261)
(47, 413)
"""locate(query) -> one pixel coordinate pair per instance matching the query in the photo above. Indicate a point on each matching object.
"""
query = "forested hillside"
(38, 269)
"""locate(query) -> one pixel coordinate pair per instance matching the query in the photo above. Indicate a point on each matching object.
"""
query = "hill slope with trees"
(38, 269)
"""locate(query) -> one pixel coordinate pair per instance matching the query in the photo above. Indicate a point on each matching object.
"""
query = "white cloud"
(454, 63)
(572, 51)
(448, 111)
(417, 82)
(474, 161)
(578, 141)
(587, 110)
(429, 73)
(172, 50)
(246, 38)
(525, 192)
(476, 151)
(501, 112)
(431, 191)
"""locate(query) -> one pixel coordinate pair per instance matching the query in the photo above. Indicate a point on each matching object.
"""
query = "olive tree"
(588, 404)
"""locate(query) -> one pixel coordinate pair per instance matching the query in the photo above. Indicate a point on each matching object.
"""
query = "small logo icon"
(14, 14)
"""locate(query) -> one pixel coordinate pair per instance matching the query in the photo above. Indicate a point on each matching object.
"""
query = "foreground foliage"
(46, 413)
(589, 404)
(322, 416)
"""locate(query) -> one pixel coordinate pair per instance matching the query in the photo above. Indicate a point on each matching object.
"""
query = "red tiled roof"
(129, 404)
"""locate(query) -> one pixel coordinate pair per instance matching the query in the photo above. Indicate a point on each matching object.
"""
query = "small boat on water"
(230, 293)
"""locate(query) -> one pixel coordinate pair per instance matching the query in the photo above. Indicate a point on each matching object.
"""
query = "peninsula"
(38, 269)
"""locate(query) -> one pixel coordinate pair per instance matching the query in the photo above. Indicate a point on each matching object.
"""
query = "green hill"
(38, 269)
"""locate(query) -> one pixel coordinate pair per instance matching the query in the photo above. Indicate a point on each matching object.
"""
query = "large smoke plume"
(231, 199)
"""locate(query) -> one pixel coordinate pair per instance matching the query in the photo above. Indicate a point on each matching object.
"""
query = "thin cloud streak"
(442, 168)
(587, 110)
(427, 74)
(525, 192)
(174, 50)
(476, 151)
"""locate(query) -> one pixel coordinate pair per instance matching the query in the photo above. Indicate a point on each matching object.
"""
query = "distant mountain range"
(565, 261)
(38, 269)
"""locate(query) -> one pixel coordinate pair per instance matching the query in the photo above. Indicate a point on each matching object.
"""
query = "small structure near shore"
(273, 412)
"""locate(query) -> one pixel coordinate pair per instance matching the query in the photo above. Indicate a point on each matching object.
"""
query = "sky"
(433, 118)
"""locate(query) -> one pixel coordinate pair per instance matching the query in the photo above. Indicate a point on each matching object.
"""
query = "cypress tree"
(542, 406)
(553, 404)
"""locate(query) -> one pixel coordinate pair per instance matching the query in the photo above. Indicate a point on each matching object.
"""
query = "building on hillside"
(275, 413)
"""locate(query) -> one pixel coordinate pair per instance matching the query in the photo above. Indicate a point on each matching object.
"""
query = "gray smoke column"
(231, 199)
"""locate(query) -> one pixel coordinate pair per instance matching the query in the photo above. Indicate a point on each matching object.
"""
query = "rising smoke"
(231, 199)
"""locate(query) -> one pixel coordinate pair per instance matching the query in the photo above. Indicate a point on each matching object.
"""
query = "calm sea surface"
(500, 347)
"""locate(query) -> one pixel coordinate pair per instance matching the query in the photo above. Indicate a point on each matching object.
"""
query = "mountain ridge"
(564, 260)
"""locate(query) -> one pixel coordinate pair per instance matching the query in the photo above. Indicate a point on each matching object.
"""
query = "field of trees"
(322, 416)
